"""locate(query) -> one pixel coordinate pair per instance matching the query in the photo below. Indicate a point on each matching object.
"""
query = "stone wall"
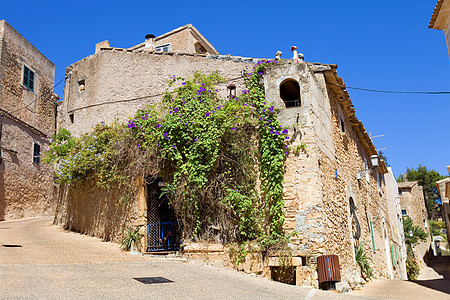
(321, 178)
(88, 209)
(26, 188)
(412, 200)
(117, 83)
(16, 52)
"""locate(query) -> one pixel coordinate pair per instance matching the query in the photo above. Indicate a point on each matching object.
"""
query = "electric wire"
(34, 101)
(390, 92)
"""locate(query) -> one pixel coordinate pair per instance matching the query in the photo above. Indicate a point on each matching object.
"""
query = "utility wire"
(391, 92)
(239, 78)
(32, 102)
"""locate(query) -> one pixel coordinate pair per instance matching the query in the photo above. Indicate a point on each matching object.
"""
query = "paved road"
(55, 264)
(433, 283)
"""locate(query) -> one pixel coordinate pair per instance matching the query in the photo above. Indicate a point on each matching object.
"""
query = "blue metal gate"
(165, 236)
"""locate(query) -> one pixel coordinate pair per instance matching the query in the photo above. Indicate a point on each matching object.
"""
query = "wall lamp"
(375, 162)
(232, 88)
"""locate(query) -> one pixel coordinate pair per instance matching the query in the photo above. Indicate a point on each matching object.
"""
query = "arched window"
(290, 93)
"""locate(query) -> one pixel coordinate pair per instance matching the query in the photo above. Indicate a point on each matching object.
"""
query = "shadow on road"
(440, 264)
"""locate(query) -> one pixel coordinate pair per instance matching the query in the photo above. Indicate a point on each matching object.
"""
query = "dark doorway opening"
(164, 231)
(290, 93)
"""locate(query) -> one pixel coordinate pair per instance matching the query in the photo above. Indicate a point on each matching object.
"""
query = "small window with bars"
(164, 48)
(36, 153)
(28, 78)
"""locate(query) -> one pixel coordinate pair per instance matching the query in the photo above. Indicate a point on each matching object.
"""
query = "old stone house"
(443, 187)
(412, 203)
(27, 119)
(441, 20)
(335, 196)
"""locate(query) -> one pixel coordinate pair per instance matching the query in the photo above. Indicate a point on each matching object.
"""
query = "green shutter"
(392, 254)
(371, 233)
(396, 254)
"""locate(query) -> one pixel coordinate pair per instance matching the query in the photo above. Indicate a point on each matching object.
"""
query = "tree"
(383, 157)
(427, 179)
(413, 235)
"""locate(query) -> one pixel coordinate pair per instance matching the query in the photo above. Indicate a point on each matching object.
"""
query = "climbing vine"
(205, 147)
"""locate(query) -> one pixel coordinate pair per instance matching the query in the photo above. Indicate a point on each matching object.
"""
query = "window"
(71, 117)
(28, 78)
(36, 153)
(290, 93)
(81, 85)
(404, 213)
(164, 48)
(400, 192)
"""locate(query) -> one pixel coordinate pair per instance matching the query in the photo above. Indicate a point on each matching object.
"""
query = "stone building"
(27, 119)
(443, 187)
(335, 196)
(441, 20)
(413, 204)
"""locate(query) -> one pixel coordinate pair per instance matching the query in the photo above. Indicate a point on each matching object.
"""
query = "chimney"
(99, 46)
(150, 42)
(448, 169)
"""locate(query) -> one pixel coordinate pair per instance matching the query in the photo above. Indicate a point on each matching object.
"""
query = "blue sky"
(376, 44)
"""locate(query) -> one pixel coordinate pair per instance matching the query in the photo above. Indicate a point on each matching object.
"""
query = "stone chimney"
(98, 46)
(448, 169)
(150, 42)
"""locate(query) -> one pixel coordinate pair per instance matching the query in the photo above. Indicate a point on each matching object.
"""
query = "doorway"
(164, 231)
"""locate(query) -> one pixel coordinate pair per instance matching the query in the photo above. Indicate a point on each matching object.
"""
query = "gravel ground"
(56, 264)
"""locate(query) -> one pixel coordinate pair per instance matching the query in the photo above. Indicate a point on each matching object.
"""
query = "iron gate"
(164, 236)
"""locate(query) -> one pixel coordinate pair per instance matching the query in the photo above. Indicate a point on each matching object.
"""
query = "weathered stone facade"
(443, 187)
(412, 203)
(441, 20)
(117, 82)
(329, 208)
(334, 198)
(27, 118)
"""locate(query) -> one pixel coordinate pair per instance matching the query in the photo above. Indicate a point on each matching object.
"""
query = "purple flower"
(176, 109)
(183, 83)
(131, 124)
(159, 125)
(260, 73)
(165, 134)
(207, 114)
(287, 138)
(245, 104)
(234, 128)
(138, 145)
(277, 132)
(195, 140)
(213, 111)
(173, 146)
(285, 131)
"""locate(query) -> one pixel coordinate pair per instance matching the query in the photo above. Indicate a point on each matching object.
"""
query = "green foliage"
(211, 152)
(91, 154)
(363, 261)
(427, 179)
(413, 233)
(436, 228)
(383, 157)
(62, 144)
(133, 238)
(412, 266)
